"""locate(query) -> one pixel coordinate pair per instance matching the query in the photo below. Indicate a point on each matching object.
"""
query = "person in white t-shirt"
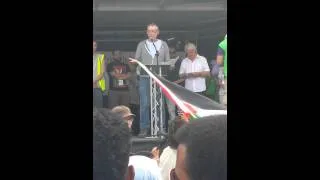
(194, 69)
(144, 168)
(167, 160)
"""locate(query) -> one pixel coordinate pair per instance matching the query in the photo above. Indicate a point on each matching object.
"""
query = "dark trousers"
(105, 101)
(97, 98)
(135, 109)
(203, 93)
(118, 97)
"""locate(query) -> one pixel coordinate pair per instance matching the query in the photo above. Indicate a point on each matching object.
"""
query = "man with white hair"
(194, 69)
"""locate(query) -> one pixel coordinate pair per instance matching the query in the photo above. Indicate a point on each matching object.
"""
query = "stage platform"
(144, 144)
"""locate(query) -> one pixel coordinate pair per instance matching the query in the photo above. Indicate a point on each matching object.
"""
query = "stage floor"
(144, 144)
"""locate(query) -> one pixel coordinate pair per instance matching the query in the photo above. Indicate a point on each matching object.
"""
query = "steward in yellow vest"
(99, 80)
(99, 84)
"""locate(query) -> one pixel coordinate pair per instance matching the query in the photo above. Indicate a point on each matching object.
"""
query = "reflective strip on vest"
(101, 82)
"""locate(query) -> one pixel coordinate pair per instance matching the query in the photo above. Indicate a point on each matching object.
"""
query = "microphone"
(157, 56)
(157, 52)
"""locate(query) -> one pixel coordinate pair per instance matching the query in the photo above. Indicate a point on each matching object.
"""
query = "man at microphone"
(147, 52)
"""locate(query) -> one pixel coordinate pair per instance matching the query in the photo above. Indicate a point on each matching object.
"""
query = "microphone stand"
(158, 94)
(157, 56)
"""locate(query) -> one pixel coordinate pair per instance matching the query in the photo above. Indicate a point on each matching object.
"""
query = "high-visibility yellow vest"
(101, 82)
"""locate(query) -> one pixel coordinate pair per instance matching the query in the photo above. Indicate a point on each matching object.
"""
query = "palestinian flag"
(193, 105)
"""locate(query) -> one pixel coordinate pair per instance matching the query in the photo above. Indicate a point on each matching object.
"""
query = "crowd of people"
(194, 151)
(121, 83)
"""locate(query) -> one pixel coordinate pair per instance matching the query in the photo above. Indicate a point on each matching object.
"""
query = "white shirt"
(145, 168)
(200, 64)
(167, 162)
(151, 49)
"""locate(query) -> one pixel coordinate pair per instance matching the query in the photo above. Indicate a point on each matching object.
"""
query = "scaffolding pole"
(156, 108)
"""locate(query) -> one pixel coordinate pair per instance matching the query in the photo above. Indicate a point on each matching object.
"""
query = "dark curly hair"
(173, 127)
(206, 147)
(111, 145)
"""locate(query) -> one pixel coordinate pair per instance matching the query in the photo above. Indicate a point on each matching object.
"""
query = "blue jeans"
(144, 92)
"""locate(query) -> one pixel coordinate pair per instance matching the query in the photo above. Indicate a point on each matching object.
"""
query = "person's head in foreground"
(171, 142)
(167, 160)
(173, 128)
(126, 114)
(111, 146)
(202, 150)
